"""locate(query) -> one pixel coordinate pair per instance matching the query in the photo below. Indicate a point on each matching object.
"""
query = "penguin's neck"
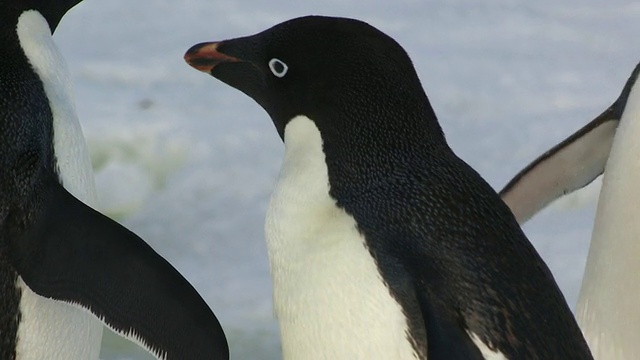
(380, 140)
(607, 309)
(70, 150)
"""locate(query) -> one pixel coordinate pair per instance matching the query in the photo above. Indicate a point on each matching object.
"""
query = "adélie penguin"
(65, 269)
(607, 309)
(382, 243)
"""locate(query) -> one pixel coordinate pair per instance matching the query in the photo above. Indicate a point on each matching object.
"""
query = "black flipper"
(74, 254)
(446, 337)
(568, 166)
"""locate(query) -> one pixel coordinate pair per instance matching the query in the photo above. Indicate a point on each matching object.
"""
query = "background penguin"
(64, 268)
(607, 308)
(382, 243)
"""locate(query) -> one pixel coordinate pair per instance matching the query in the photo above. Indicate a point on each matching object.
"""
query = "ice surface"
(188, 163)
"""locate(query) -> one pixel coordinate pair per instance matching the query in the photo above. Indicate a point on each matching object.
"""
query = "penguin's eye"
(278, 67)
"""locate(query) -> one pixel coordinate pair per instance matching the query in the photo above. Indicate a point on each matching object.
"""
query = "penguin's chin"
(242, 76)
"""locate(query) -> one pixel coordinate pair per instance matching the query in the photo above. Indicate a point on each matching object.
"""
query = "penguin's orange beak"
(205, 57)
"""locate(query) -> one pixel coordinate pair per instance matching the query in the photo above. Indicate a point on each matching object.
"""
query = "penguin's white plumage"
(609, 299)
(321, 267)
(74, 164)
(55, 330)
(487, 353)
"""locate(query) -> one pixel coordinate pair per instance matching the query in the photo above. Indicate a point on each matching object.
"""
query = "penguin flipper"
(568, 166)
(76, 255)
(446, 340)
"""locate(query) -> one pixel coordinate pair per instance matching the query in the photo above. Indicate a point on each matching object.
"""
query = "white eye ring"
(278, 67)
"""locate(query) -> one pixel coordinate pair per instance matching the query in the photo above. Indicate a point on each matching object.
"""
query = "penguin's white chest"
(72, 156)
(330, 299)
(607, 309)
(54, 330)
(51, 329)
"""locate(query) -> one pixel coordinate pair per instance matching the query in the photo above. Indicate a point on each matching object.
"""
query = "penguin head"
(51, 10)
(320, 67)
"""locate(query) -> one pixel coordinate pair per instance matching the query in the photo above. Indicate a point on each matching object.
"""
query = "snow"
(188, 163)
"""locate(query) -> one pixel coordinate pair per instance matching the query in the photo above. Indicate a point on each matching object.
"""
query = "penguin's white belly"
(54, 330)
(51, 329)
(607, 308)
(330, 299)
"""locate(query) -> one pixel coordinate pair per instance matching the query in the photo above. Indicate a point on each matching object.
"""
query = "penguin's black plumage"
(64, 268)
(374, 219)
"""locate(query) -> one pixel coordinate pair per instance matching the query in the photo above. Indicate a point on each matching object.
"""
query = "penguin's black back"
(441, 226)
(436, 227)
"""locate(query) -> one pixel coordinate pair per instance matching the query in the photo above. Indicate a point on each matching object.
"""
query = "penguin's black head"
(319, 67)
(51, 10)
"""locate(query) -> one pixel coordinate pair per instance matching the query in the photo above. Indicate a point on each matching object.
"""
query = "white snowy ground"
(188, 162)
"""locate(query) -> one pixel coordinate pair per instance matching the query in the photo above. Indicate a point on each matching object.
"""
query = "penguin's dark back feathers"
(26, 122)
(472, 267)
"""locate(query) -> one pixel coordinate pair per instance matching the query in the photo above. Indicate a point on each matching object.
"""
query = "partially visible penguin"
(65, 269)
(383, 244)
(568, 166)
(609, 300)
